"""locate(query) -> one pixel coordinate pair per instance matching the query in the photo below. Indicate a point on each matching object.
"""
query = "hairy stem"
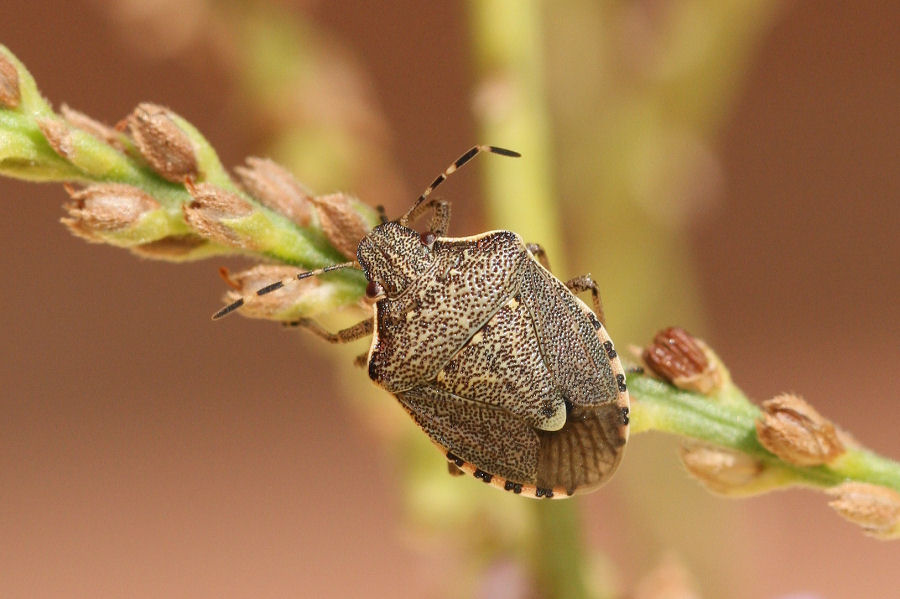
(728, 419)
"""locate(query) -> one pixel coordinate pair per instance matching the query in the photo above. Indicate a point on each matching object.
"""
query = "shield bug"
(512, 376)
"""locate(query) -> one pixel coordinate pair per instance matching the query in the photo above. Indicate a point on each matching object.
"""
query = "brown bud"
(173, 247)
(685, 361)
(342, 225)
(162, 143)
(795, 432)
(875, 508)
(85, 123)
(272, 305)
(9, 84)
(209, 210)
(276, 188)
(721, 470)
(105, 207)
(57, 134)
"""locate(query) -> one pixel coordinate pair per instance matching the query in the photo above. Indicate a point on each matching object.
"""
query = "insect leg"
(454, 470)
(357, 331)
(587, 283)
(361, 360)
(440, 220)
(538, 252)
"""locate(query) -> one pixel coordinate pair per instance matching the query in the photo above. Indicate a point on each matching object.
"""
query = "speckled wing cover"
(521, 384)
(421, 329)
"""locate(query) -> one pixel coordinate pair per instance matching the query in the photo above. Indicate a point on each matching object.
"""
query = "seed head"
(794, 431)
(162, 143)
(721, 470)
(276, 188)
(683, 360)
(875, 508)
(210, 211)
(342, 225)
(9, 84)
(58, 135)
(105, 207)
(85, 123)
(173, 248)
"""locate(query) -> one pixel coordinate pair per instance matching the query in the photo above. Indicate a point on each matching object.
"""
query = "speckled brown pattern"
(443, 296)
(510, 374)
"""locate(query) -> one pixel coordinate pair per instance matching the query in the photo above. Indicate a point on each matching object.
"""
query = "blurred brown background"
(145, 452)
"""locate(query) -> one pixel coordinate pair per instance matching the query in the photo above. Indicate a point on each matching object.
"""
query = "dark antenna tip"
(504, 152)
(470, 154)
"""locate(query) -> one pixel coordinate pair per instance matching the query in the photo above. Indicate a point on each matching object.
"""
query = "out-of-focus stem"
(511, 110)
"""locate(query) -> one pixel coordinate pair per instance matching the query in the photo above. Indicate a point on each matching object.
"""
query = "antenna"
(472, 153)
(278, 285)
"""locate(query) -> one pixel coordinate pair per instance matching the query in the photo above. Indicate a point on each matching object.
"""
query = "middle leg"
(587, 283)
(576, 285)
(539, 253)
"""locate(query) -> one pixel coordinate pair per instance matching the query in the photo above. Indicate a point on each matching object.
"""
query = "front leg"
(357, 331)
(440, 219)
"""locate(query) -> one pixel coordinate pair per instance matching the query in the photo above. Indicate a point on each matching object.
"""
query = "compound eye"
(427, 238)
(374, 290)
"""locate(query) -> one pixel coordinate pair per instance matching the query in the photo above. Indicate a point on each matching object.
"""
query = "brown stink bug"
(511, 375)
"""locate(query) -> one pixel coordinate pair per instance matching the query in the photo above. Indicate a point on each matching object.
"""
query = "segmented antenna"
(278, 285)
(403, 220)
(472, 153)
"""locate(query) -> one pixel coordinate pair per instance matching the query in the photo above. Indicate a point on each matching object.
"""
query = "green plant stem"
(728, 419)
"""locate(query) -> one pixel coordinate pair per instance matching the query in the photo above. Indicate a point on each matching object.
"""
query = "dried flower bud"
(9, 84)
(793, 430)
(276, 188)
(342, 225)
(210, 210)
(174, 248)
(105, 207)
(685, 361)
(57, 134)
(277, 305)
(875, 508)
(162, 142)
(91, 155)
(85, 123)
(721, 470)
